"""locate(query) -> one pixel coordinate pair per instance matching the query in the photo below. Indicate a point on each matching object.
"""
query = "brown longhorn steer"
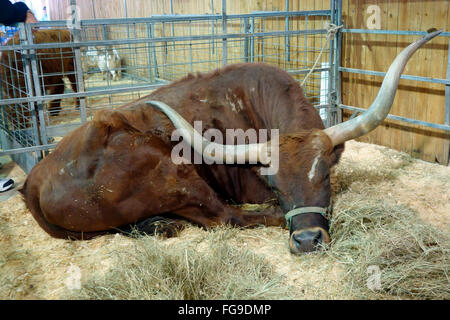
(117, 169)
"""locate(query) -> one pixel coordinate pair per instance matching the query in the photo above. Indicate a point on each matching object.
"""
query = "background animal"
(109, 63)
(53, 65)
(90, 58)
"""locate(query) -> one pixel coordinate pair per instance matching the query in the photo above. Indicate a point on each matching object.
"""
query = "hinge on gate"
(29, 56)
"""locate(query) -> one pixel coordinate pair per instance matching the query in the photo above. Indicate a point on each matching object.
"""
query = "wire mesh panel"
(110, 62)
(18, 124)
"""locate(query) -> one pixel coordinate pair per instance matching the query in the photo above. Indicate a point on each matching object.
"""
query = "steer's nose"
(305, 241)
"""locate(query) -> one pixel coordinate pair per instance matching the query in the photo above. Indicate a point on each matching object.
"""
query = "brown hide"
(59, 62)
(117, 170)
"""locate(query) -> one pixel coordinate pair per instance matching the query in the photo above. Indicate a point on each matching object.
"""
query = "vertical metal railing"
(287, 38)
(38, 91)
(224, 32)
(337, 62)
(29, 86)
(447, 90)
(79, 77)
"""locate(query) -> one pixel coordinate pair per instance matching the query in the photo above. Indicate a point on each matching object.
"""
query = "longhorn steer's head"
(302, 181)
(302, 185)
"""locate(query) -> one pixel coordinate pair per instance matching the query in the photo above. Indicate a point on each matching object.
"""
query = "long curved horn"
(212, 150)
(381, 106)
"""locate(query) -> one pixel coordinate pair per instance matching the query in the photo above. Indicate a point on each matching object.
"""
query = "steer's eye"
(323, 171)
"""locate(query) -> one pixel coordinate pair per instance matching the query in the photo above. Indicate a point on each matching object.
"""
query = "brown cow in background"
(53, 65)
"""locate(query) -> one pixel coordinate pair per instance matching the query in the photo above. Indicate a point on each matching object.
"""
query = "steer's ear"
(115, 121)
(336, 154)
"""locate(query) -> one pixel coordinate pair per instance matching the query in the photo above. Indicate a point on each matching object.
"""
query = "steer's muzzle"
(308, 240)
(308, 232)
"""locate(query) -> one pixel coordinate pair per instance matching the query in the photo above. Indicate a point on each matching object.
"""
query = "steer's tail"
(32, 203)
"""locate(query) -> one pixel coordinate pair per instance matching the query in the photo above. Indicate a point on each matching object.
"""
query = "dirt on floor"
(35, 266)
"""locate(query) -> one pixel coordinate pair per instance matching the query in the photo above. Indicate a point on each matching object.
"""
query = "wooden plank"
(421, 103)
(436, 112)
(387, 53)
(406, 91)
(359, 61)
(444, 149)
(370, 50)
(349, 48)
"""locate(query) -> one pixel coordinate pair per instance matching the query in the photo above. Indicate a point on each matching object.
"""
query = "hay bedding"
(390, 211)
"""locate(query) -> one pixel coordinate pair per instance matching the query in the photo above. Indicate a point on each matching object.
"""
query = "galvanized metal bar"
(224, 33)
(281, 14)
(173, 33)
(93, 8)
(305, 71)
(79, 76)
(128, 36)
(160, 39)
(212, 28)
(404, 119)
(149, 54)
(305, 44)
(286, 28)
(404, 76)
(252, 40)
(191, 63)
(337, 62)
(246, 40)
(105, 34)
(331, 84)
(29, 86)
(26, 149)
(181, 17)
(447, 90)
(392, 32)
(153, 50)
(84, 94)
(262, 40)
(37, 86)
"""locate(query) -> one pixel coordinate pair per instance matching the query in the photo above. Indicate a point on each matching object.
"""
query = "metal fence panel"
(110, 62)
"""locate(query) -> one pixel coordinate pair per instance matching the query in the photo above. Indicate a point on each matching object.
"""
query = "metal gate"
(80, 68)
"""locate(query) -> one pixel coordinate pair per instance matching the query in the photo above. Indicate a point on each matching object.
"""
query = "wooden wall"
(417, 100)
